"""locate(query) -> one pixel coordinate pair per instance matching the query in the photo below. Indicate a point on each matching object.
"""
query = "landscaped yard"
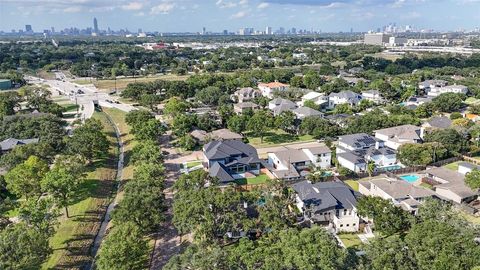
(261, 179)
(352, 183)
(70, 107)
(350, 240)
(74, 236)
(452, 166)
(193, 164)
(277, 137)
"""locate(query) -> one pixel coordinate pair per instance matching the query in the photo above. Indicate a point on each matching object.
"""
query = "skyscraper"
(28, 28)
(95, 25)
(268, 30)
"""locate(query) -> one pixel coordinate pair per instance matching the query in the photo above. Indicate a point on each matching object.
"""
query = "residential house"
(230, 160)
(329, 203)
(437, 122)
(290, 163)
(268, 88)
(243, 107)
(353, 81)
(458, 89)
(395, 137)
(318, 98)
(201, 136)
(373, 95)
(279, 105)
(339, 119)
(343, 97)
(304, 112)
(427, 85)
(399, 192)
(246, 94)
(10, 143)
(355, 151)
(472, 117)
(415, 101)
(451, 185)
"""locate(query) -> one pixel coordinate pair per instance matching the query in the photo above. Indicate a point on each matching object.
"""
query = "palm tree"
(370, 168)
(317, 175)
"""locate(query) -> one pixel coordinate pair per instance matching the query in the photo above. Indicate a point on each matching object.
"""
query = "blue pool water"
(410, 178)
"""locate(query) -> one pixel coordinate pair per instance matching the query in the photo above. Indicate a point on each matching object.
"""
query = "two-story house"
(231, 159)
(355, 151)
(279, 105)
(395, 137)
(373, 95)
(290, 163)
(268, 88)
(344, 97)
(458, 89)
(319, 99)
(246, 94)
(399, 192)
(328, 203)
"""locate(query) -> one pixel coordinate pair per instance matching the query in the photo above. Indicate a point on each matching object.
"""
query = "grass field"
(277, 137)
(69, 107)
(261, 179)
(193, 164)
(353, 184)
(123, 82)
(74, 236)
(452, 166)
(350, 240)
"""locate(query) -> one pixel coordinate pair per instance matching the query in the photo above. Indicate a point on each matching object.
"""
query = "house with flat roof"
(451, 185)
(399, 192)
(246, 94)
(328, 203)
(230, 160)
(355, 151)
(268, 88)
(10, 143)
(344, 97)
(242, 107)
(395, 137)
(290, 163)
(304, 112)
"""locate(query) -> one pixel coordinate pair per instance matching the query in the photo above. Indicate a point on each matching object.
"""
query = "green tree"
(187, 142)
(421, 154)
(237, 123)
(286, 121)
(62, 185)
(124, 248)
(149, 130)
(259, 123)
(23, 247)
(183, 123)
(40, 214)
(24, 179)
(389, 253)
(174, 106)
(472, 179)
(146, 152)
(371, 168)
(449, 138)
(448, 102)
(136, 118)
(88, 140)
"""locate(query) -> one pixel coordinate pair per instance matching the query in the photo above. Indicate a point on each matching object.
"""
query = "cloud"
(73, 9)
(225, 4)
(163, 8)
(132, 6)
(263, 5)
(239, 15)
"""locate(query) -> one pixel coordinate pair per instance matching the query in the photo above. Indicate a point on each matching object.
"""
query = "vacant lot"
(121, 83)
(71, 243)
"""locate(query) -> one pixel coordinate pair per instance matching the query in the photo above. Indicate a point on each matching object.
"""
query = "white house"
(268, 88)
(399, 192)
(343, 97)
(247, 94)
(458, 89)
(332, 204)
(318, 98)
(395, 137)
(291, 163)
(372, 95)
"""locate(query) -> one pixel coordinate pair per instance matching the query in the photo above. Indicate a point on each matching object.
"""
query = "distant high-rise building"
(95, 25)
(294, 31)
(268, 30)
(53, 30)
(28, 28)
(204, 30)
(225, 32)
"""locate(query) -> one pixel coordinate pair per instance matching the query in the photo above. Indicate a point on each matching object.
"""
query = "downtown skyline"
(231, 15)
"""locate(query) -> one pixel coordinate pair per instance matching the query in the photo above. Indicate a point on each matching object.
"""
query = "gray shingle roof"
(358, 140)
(326, 195)
(11, 143)
(347, 94)
(440, 122)
(306, 112)
(280, 101)
(218, 170)
(225, 149)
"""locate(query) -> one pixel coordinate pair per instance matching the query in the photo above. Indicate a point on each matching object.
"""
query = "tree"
(449, 138)
(388, 253)
(237, 123)
(183, 123)
(146, 152)
(40, 214)
(225, 111)
(209, 95)
(187, 142)
(149, 171)
(174, 106)
(454, 115)
(311, 104)
(136, 118)
(62, 185)
(371, 168)
(88, 140)
(462, 123)
(421, 154)
(259, 123)
(319, 128)
(149, 130)
(151, 101)
(342, 109)
(448, 102)
(286, 121)
(472, 179)
(124, 248)
(23, 247)
(206, 122)
(24, 179)
(424, 110)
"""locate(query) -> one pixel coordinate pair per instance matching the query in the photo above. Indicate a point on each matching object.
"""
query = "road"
(87, 99)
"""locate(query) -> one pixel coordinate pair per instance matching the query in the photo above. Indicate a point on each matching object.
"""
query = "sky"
(219, 15)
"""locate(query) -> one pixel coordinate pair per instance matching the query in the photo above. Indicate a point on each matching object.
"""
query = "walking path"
(106, 219)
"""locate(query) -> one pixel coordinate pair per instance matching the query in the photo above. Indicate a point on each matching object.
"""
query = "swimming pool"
(411, 178)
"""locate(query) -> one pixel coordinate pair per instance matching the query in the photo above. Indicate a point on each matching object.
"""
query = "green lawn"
(74, 236)
(452, 166)
(352, 183)
(425, 185)
(69, 107)
(193, 164)
(350, 240)
(277, 137)
(261, 179)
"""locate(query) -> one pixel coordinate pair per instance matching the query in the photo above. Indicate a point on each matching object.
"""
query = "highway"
(85, 96)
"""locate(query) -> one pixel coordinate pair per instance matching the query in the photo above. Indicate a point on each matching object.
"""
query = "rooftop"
(11, 143)
(398, 189)
(326, 195)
